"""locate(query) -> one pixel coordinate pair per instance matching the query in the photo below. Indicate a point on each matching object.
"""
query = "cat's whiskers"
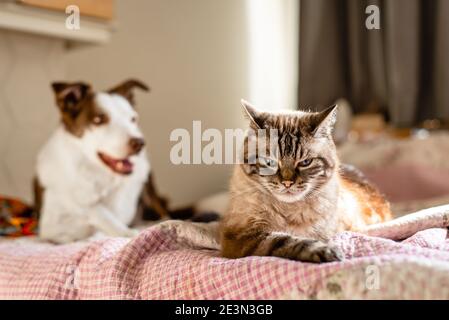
(293, 212)
(248, 190)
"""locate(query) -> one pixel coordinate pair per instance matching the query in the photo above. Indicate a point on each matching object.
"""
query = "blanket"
(407, 258)
(16, 218)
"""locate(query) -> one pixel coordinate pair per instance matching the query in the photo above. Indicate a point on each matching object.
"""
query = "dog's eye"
(305, 163)
(134, 119)
(99, 119)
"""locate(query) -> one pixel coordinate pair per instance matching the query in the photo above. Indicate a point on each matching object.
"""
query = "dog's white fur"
(82, 195)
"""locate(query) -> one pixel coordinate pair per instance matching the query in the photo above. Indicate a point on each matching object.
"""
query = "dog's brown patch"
(38, 191)
(125, 89)
(154, 207)
(77, 106)
(151, 205)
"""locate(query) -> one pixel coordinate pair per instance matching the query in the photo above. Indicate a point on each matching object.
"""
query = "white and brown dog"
(93, 174)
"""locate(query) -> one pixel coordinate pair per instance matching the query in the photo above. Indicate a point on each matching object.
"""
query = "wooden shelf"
(103, 9)
(52, 24)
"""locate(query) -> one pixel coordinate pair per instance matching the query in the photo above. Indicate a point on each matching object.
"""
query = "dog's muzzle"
(136, 145)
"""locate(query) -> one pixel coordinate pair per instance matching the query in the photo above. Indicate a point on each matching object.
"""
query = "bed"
(407, 258)
(161, 263)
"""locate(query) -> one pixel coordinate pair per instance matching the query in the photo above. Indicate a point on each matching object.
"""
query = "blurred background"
(200, 57)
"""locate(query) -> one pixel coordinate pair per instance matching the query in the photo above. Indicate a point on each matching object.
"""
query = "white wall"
(194, 55)
(28, 63)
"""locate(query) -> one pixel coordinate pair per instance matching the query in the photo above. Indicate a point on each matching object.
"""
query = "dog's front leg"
(102, 218)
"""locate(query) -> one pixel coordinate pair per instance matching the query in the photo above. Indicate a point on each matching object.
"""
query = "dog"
(93, 174)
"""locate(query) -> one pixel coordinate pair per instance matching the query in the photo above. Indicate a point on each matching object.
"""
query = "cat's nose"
(287, 183)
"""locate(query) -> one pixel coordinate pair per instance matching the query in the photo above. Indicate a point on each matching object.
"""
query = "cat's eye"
(305, 163)
(99, 119)
(268, 166)
(268, 162)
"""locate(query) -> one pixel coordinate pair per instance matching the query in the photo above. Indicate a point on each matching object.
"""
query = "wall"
(193, 53)
(27, 113)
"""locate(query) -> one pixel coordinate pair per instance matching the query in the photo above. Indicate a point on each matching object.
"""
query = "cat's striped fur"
(310, 196)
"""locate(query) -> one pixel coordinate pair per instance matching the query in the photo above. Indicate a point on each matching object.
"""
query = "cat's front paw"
(316, 251)
(329, 253)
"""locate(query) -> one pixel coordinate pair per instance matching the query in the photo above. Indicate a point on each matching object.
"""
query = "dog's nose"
(287, 183)
(136, 144)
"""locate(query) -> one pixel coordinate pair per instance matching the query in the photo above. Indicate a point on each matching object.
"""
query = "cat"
(306, 198)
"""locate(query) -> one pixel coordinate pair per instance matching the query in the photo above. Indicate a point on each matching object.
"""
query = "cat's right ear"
(255, 116)
(324, 121)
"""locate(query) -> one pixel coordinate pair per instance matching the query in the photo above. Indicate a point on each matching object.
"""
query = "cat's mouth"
(120, 166)
(291, 191)
(289, 197)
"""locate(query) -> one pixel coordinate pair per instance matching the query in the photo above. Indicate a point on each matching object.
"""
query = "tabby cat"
(306, 197)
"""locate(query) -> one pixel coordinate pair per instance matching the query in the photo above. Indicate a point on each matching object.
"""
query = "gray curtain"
(402, 69)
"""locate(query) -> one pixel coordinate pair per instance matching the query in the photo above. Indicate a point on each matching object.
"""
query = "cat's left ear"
(256, 116)
(324, 122)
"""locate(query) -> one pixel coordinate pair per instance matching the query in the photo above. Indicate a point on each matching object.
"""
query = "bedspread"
(163, 263)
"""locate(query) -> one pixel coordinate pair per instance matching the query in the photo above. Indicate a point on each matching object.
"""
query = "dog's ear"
(70, 95)
(125, 89)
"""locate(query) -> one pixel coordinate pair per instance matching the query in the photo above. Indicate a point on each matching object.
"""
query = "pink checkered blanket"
(166, 262)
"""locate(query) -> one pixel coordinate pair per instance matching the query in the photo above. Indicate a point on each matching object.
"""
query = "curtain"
(400, 69)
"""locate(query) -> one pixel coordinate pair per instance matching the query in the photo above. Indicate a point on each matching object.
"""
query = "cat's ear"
(324, 121)
(256, 116)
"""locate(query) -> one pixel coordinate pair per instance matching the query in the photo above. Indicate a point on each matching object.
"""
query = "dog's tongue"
(122, 166)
